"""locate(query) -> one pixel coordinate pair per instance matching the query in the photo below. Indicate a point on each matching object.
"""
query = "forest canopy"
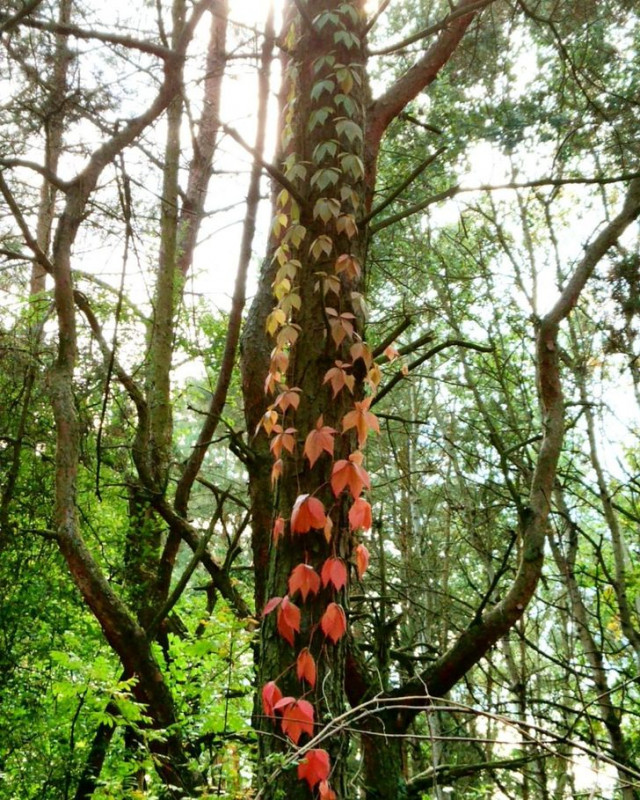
(319, 399)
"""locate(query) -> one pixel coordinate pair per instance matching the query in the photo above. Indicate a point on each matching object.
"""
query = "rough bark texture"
(306, 128)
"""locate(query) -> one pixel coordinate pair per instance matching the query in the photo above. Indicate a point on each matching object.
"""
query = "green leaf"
(319, 116)
(326, 16)
(324, 149)
(348, 39)
(353, 165)
(323, 178)
(348, 104)
(296, 172)
(348, 128)
(319, 63)
(322, 86)
(326, 208)
(323, 245)
(348, 10)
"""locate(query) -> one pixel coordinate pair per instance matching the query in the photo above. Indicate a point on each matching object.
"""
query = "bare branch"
(400, 375)
(11, 163)
(11, 21)
(80, 33)
(29, 238)
(436, 28)
(454, 191)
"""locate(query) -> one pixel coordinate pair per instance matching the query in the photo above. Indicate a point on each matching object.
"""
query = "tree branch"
(387, 107)
(476, 640)
(219, 397)
(429, 31)
(80, 33)
(454, 191)
(405, 183)
(55, 180)
(429, 354)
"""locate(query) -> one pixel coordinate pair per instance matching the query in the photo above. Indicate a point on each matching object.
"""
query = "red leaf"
(350, 473)
(334, 622)
(297, 719)
(360, 515)
(362, 560)
(304, 578)
(318, 441)
(306, 667)
(288, 620)
(315, 767)
(307, 513)
(278, 529)
(271, 694)
(335, 572)
(362, 420)
(326, 792)
(348, 264)
(283, 703)
(270, 605)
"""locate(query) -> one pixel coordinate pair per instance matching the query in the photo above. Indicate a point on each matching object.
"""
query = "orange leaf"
(271, 694)
(339, 378)
(304, 578)
(360, 515)
(315, 767)
(328, 528)
(374, 376)
(297, 718)
(267, 421)
(362, 420)
(334, 622)
(279, 360)
(363, 351)
(278, 529)
(335, 572)
(276, 471)
(271, 382)
(306, 667)
(391, 352)
(362, 560)
(288, 620)
(283, 439)
(326, 792)
(341, 325)
(288, 399)
(307, 513)
(319, 440)
(348, 264)
(350, 473)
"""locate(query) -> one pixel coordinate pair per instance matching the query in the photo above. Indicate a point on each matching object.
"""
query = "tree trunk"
(322, 132)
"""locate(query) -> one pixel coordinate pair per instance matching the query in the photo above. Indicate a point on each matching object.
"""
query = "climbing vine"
(322, 374)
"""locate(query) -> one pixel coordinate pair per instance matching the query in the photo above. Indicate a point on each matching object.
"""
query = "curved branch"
(7, 22)
(387, 107)
(476, 640)
(400, 375)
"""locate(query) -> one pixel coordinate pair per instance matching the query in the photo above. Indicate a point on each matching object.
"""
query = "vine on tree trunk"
(318, 319)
